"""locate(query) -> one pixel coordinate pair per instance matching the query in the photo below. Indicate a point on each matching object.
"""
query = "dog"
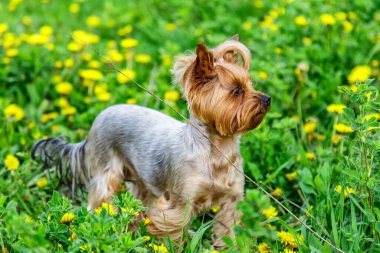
(176, 169)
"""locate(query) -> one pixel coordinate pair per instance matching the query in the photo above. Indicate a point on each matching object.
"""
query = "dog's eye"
(237, 91)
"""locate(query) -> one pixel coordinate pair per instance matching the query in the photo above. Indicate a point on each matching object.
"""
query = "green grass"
(298, 154)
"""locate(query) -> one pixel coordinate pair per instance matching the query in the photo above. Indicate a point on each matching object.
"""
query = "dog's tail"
(68, 158)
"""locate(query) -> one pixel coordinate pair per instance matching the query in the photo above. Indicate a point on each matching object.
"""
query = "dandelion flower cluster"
(336, 108)
(343, 129)
(289, 240)
(264, 248)
(11, 162)
(108, 207)
(67, 218)
(14, 112)
(361, 73)
(270, 213)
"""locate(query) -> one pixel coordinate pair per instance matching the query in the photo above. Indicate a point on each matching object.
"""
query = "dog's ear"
(231, 56)
(204, 65)
(235, 37)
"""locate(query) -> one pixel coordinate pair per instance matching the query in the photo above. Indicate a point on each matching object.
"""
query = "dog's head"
(218, 88)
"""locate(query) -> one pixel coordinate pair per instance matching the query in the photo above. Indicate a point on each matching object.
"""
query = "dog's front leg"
(169, 217)
(226, 218)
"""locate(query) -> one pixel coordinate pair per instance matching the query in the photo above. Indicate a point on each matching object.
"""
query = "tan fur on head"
(219, 90)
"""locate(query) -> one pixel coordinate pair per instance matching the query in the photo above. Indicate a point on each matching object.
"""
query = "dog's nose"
(266, 100)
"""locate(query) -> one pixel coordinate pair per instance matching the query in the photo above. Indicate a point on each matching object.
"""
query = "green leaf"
(349, 113)
(198, 236)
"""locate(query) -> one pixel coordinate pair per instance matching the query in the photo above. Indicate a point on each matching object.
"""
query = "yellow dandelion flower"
(372, 115)
(307, 41)
(337, 108)
(343, 129)
(215, 209)
(166, 60)
(31, 125)
(94, 64)
(129, 43)
(320, 137)
(311, 156)
(58, 64)
(143, 58)
(62, 102)
(347, 26)
(347, 191)
(46, 30)
(352, 15)
(309, 127)
(90, 74)
(131, 101)
(68, 110)
(74, 8)
(147, 220)
(172, 96)
(42, 182)
(335, 139)
(93, 21)
(263, 75)
(247, 25)
(264, 248)
(170, 27)
(278, 50)
(108, 207)
(258, 4)
(26, 21)
(84, 37)
(277, 192)
(6, 60)
(126, 76)
(159, 248)
(3, 28)
(64, 88)
(114, 55)
(289, 251)
(291, 176)
(270, 213)
(14, 112)
(11, 162)
(74, 46)
(300, 20)
(73, 236)
(37, 39)
(289, 240)
(86, 56)
(269, 23)
(68, 63)
(361, 73)
(104, 97)
(375, 63)
(12, 52)
(340, 16)
(67, 218)
(327, 19)
(29, 220)
(125, 30)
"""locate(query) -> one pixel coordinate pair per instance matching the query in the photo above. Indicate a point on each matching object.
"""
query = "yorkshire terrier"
(177, 169)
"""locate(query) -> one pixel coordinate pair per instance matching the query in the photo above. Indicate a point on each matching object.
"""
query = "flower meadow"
(317, 151)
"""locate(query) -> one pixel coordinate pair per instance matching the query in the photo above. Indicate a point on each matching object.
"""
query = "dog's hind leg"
(106, 181)
(169, 217)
